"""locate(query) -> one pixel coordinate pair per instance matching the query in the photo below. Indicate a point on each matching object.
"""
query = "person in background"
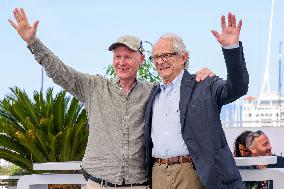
(259, 145)
(240, 149)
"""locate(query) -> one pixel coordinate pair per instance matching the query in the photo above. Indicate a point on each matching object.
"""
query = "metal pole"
(279, 80)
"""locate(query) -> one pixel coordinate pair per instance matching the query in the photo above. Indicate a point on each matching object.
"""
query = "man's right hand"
(24, 29)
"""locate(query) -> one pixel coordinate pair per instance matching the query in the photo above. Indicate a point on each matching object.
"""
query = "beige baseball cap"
(131, 42)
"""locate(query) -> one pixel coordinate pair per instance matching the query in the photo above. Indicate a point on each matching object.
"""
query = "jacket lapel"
(187, 85)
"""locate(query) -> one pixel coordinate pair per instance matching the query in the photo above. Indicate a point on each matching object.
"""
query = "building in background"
(268, 113)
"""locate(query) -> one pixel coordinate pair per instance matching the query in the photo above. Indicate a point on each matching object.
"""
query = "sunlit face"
(126, 62)
(243, 151)
(167, 62)
(261, 146)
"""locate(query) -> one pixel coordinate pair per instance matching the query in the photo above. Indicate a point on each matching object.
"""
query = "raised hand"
(230, 33)
(24, 29)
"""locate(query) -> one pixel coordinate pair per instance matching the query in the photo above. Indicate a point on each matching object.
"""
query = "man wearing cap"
(114, 155)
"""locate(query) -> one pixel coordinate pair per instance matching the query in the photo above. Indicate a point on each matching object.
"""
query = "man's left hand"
(230, 33)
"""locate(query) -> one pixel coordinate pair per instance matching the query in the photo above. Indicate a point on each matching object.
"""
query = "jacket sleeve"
(236, 85)
(76, 83)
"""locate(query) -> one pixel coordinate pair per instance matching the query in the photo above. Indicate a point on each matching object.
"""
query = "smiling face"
(168, 63)
(126, 62)
(261, 146)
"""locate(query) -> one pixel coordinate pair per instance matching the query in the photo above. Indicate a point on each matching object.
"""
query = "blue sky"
(79, 32)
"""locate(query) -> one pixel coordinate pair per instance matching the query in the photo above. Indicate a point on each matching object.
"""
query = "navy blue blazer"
(200, 106)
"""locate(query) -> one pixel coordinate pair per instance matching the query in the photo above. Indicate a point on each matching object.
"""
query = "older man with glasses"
(186, 147)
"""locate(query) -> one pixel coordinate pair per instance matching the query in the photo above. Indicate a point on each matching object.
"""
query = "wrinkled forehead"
(162, 46)
(261, 139)
(124, 49)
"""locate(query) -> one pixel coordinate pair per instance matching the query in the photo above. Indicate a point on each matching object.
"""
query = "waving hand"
(24, 29)
(230, 32)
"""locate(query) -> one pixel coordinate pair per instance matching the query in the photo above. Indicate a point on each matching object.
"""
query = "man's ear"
(185, 56)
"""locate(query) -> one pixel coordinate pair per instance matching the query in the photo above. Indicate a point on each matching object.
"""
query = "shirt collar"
(174, 82)
(116, 79)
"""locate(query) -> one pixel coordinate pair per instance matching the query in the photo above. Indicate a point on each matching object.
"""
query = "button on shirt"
(166, 128)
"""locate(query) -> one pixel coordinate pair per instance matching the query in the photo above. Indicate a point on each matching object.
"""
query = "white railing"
(260, 160)
(56, 166)
(41, 181)
(274, 174)
(10, 177)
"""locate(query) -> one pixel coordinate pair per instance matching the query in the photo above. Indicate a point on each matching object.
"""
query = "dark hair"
(241, 139)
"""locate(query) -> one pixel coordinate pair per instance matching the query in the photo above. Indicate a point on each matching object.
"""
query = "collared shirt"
(166, 128)
(115, 149)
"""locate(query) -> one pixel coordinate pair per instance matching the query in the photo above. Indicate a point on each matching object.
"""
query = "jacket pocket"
(227, 170)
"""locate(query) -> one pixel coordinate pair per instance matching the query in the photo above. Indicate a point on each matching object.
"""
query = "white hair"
(178, 45)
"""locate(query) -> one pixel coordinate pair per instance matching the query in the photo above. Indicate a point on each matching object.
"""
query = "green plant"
(42, 129)
(5, 171)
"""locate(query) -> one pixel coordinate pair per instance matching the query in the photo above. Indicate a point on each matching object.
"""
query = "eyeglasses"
(164, 56)
(252, 136)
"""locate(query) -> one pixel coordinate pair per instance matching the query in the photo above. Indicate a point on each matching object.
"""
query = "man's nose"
(122, 61)
(159, 61)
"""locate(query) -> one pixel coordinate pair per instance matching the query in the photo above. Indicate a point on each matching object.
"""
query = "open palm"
(24, 29)
(230, 33)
